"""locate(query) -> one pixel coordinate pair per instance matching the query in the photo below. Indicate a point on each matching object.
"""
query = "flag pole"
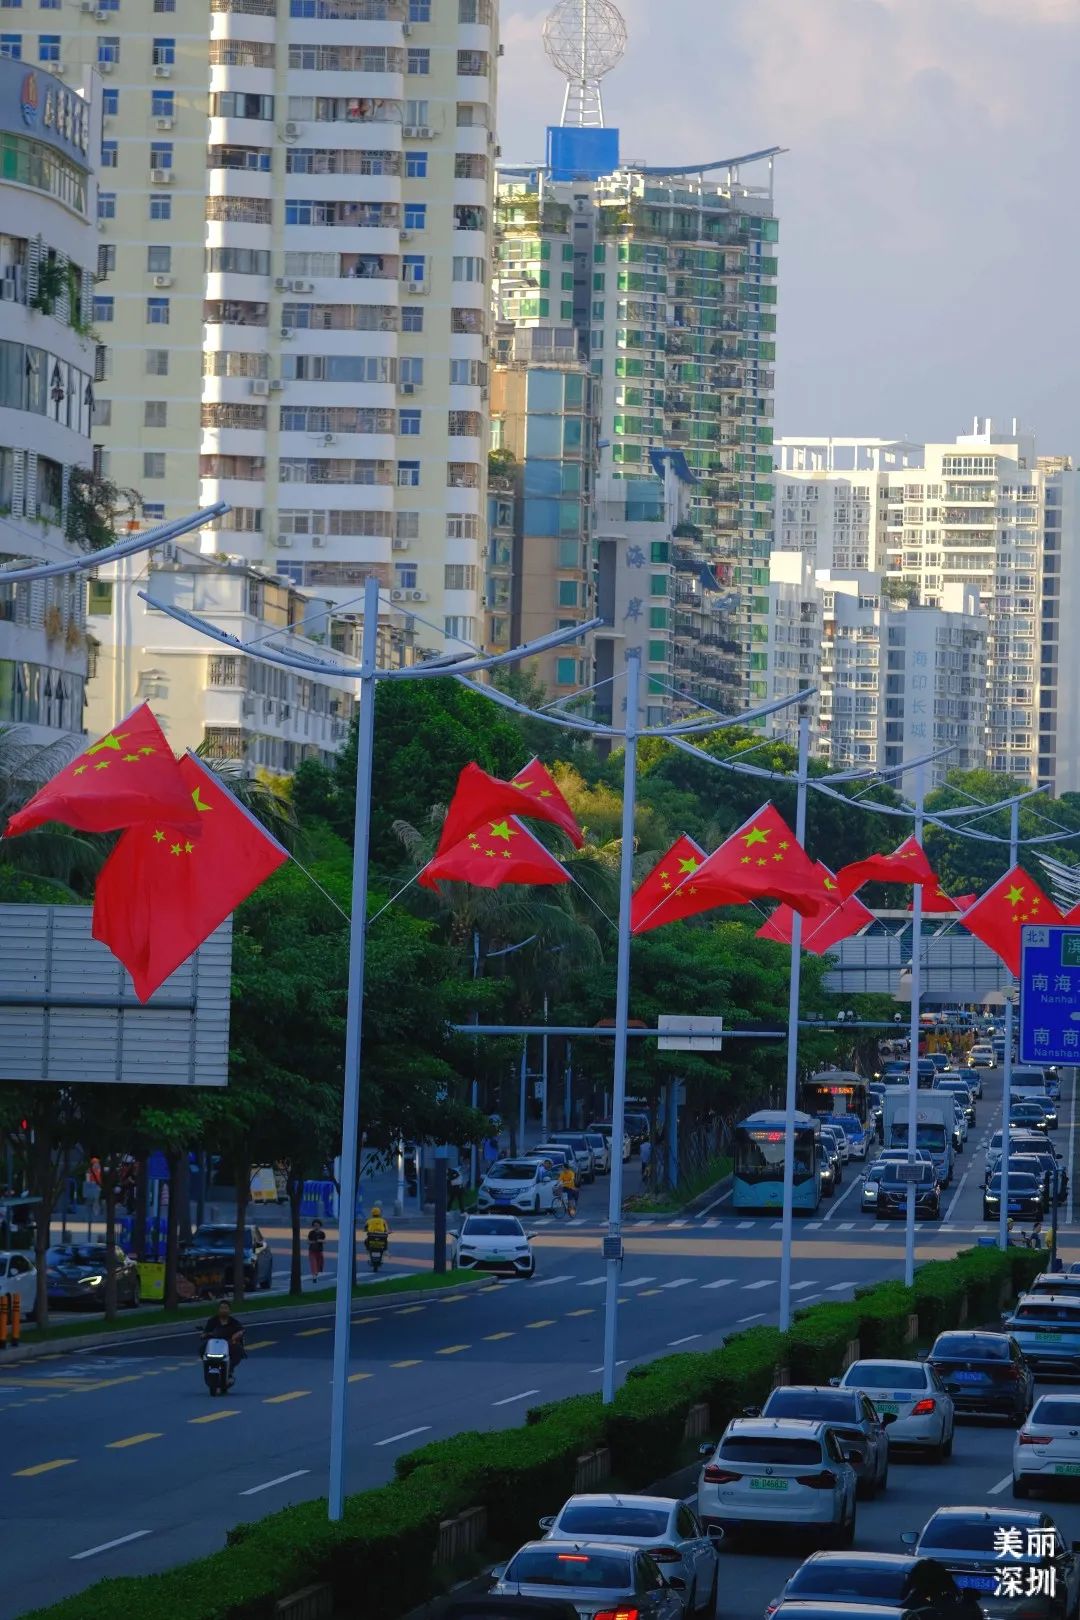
(613, 1241)
(793, 1044)
(350, 1112)
(913, 1056)
(1006, 1091)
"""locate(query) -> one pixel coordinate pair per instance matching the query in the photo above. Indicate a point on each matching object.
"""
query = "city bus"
(840, 1097)
(759, 1163)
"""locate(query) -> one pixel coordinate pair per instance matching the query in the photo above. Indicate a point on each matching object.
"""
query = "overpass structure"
(957, 968)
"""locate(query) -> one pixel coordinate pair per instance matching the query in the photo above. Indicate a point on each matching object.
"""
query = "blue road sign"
(1050, 995)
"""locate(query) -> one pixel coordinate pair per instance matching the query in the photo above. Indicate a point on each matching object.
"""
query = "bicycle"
(563, 1203)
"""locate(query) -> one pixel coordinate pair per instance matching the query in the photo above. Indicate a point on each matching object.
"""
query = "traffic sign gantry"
(689, 1034)
(1050, 995)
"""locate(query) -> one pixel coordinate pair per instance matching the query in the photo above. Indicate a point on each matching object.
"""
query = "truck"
(935, 1119)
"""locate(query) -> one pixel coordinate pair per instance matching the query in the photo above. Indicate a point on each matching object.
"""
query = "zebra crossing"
(714, 1224)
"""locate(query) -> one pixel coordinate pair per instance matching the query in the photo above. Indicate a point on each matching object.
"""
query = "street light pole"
(1006, 1093)
(913, 1064)
(613, 1241)
(793, 1045)
(350, 1113)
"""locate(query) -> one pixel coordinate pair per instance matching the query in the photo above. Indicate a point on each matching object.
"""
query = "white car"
(601, 1151)
(911, 1393)
(981, 1057)
(783, 1471)
(495, 1243)
(665, 1527)
(1047, 1447)
(524, 1185)
(18, 1275)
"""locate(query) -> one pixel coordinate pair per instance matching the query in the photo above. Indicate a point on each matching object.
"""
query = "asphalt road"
(120, 1463)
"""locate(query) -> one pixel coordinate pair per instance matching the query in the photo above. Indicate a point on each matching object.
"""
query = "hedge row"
(385, 1546)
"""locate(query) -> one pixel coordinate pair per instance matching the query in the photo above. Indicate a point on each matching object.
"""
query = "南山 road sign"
(1050, 995)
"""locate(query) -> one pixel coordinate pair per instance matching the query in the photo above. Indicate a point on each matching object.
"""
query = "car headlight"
(92, 1282)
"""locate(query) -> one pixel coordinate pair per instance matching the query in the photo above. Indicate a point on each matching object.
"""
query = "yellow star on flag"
(1015, 895)
(188, 848)
(829, 884)
(131, 759)
(785, 844)
(521, 786)
(756, 835)
(665, 884)
(502, 829)
(102, 765)
(546, 793)
(197, 801)
(79, 770)
(761, 861)
(744, 860)
(174, 849)
(159, 838)
(113, 741)
(146, 749)
(489, 852)
(690, 864)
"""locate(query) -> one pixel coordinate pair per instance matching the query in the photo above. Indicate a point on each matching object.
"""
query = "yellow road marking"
(405, 1364)
(264, 1344)
(548, 1321)
(290, 1395)
(132, 1440)
(214, 1417)
(354, 1378)
(451, 1299)
(43, 1468)
(451, 1349)
(43, 1383)
(489, 1338)
(586, 1310)
(410, 1310)
(310, 1333)
(645, 1292)
(358, 1321)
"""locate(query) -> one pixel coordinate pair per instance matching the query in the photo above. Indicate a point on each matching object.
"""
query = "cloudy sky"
(928, 203)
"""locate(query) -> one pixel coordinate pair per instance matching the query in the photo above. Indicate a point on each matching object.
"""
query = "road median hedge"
(381, 1557)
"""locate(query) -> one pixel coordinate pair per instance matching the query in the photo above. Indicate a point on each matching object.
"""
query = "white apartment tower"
(294, 252)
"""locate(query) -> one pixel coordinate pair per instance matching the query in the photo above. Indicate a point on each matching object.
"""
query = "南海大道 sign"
(1050, 995)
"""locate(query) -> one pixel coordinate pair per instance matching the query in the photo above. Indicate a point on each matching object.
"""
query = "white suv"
(787, 1471)
(981, 1057)
(523, 1185)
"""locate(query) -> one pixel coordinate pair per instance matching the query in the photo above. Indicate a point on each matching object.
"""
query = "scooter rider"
(376, 1227)
(224, 1325)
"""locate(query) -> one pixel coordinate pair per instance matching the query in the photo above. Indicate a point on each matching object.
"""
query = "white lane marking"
(755, 1318)
(880, 1226)
(686, 1340)
(954, 1200)
(593, 1282)
(838, 1288)
(776, 1226)
(600, 1369)
(744, 1226)
(847, 1226)
(814, 1226)
(796, 1286)
(638, 1282)
(406, 1434)
(508, 1400)
(106, 1546)
(679, 1282)
(721, 1282)
(672, 1225)
(996, 1490)
(549, 1282)
(282, 1479)
(765, 1282)
(715, 1221)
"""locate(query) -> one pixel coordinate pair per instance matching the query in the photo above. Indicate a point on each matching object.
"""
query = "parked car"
(18, 1275)
(853, 1418)
(553, 1156)
(1065, 1284)
(484, 1606)
(578, 1143)
(916, 1586)
(525, 1185)
(966, 1540)
(495, 1243)
(76, 1277)
(1047, 1329)
(787, 1472)
(912, 1394)
(601, 1151)
(604, 1126)
(213, 1248)
(984, 1372)
(598, 1579)
(662, 1525)
(1047, 1449)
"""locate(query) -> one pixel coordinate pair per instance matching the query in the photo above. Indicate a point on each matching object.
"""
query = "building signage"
(39, 104)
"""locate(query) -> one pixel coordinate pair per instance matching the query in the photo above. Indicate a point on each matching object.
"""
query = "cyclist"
(568, 1183)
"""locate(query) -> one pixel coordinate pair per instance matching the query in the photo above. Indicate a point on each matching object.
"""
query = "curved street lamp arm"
(144, 541)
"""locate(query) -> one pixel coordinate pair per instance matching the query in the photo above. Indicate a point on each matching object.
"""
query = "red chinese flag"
(161, 893)
(762, 858)
(127, 777)
(908, 864)
(935, 900)
(479, 797)
(664, 896)
(496, 852)
(997, 918)
(963, 901)
(836, 921)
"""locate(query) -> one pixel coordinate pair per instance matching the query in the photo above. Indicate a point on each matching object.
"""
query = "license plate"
(887, 1408)
(1014, 1209)
(768, 1484)
(1049, 1338)
(975, 1583)
(1067, 1468)
(970, 1377)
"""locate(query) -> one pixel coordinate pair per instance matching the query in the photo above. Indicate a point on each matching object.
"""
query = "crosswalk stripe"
(593, 1282)
(714, 1220)
(744, 1226)
(847, 1226)
(548, 1282)
(814, 1226)
(764, 1282)
(679, 1282)
(721, 1282)
(672, 1225)
(638, 1282)
(795, 1287)
(776, 1226)
(838, 1288)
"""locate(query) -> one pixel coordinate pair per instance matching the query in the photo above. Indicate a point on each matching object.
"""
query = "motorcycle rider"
(224, 1325)
(376, 1227)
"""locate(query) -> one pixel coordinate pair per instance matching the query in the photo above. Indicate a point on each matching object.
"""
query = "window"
(106, 259)
(566, 671)
(108, 48)
(241, 261)
(459, 627)
(11, 47)
(162, 103)
(405, 576)
(108, 5)
(408, 474)
(109, 150)
(157, 362)
(415, 216)
(10, 5)
(416, 165)
(419, 10)
(462, 526)
(163, 53)
(568, 593)
(153, 464)
(48, 46)
(567, 554)
(658, 618)
(459, 577)
(110, 103)
(164, 5)
(161, 208)
(155, 413)
(657, 652)
(414, 114)
(412, 318)
(467, 268)
(159, 260)
(411, 369)
(413, 267)
(409, 424)
(241, 104)
(103, 309)
(418, 60)
(106, 205)
(157, 311)
(49, 5)
(407, 525)
(161, 154)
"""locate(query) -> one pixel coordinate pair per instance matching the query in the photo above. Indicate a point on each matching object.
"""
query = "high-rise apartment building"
(985, 511)
(294, 257)
(49, 140)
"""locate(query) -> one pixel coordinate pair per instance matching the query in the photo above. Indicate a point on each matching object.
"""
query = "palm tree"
(59, 856)
(265, 798)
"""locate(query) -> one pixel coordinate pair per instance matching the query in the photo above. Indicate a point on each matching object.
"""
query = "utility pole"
(913, 1063)
(792, 1076)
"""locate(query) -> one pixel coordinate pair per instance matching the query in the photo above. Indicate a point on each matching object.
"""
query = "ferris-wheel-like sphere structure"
(584, 39)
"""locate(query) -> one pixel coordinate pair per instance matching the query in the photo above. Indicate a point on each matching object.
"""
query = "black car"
(984, 1372)
(892, 1193)
(76, 1277)
(853, 1609)
(967, 1541)
(209, 1256)
(882, 1580)
(507, 1607)
(1025, 1196)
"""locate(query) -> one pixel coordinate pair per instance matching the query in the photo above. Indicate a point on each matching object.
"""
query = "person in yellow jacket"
(376, 1227)
(568, 1183)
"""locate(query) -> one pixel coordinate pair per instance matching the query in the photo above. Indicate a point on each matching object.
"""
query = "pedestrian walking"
(316, 1240)
(456, 1192)
(491, 1152)
(646, 1162)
